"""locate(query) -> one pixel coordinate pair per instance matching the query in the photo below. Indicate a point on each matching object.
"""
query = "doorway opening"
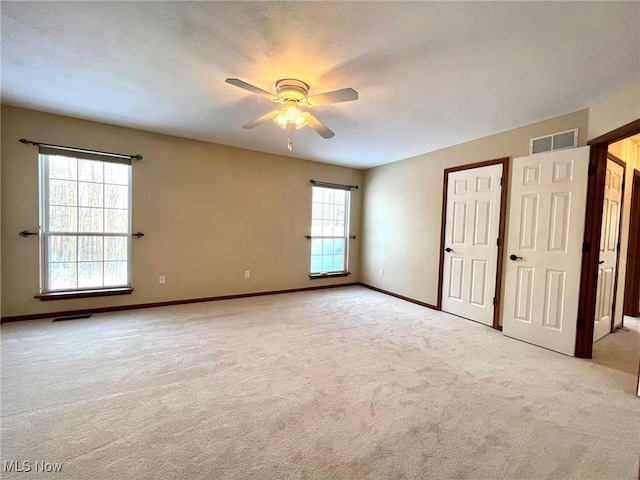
(587, 307)
(610, 246)
(632, 283)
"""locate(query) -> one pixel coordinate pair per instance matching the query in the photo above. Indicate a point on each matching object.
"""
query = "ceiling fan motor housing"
(289, 89)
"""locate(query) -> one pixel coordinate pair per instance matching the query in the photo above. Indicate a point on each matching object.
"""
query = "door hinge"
(592, 169)
(580, 323)
(498, 242)
(618, 247)
(494, 301)
(586, 247)
(500, 181)
(613, 308)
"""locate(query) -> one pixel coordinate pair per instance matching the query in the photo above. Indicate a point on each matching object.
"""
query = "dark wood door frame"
(632, 282)
(592, 229)
(501, 229)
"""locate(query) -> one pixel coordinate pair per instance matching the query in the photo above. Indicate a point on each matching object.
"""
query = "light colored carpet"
(333, 384)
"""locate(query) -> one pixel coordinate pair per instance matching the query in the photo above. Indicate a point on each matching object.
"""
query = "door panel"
(546, 225)
(471, 231)
(456, 278)
(609, 237)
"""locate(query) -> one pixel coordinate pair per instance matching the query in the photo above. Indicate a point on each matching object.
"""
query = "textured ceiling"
(429, 74)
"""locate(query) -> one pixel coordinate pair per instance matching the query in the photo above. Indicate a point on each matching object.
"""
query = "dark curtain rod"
(335, 185)
(76, 149)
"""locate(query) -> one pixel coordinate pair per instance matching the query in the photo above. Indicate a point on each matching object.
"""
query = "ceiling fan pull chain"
(289, 141)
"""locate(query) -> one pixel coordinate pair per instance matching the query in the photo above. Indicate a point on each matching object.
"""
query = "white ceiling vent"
(555, 141)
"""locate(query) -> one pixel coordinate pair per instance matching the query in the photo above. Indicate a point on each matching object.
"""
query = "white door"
(608, 249)
(544, 248)
(471, 249)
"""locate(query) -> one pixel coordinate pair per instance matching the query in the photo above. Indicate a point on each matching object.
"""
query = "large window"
(86, 223)
(329, 230)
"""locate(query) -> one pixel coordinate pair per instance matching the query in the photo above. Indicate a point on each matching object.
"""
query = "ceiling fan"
(294, 94)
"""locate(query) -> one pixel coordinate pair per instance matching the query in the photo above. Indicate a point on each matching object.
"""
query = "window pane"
(327, 246)
(316, 263)
(316, 228)
(338, 246)
(91, 195)
(338, 263)
(327, 263)
(316, 211)
(115, 274)
(116, 173)
(89, 274)
(62, 276)
(62, 248)
(116, 221)
(63, 219)
(90, 170)
(327, 211)
(63, 168)
(63, 192)
(316, 246)
(115, 248)
(328, 195)
(90, 248)
(90, 220)
(339, 197)
(327, 228)
(116, 196)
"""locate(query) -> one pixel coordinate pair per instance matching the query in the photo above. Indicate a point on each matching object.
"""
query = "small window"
(85, 216)
(329, 230)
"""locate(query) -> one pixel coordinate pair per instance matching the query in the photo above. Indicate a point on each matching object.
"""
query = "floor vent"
(555, 141)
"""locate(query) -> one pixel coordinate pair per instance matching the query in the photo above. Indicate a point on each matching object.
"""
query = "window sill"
(315, 276)
(45, 297)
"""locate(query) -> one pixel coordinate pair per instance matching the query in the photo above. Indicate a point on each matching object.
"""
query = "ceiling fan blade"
(318, 126)
(260, 120)
(337, 96)
(247, 86)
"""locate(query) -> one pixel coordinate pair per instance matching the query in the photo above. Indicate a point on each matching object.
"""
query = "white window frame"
(43, 159)
(315, 235)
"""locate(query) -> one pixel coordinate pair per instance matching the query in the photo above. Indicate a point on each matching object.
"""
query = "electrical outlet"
(247, 274)
(162, 279)
(381, 272)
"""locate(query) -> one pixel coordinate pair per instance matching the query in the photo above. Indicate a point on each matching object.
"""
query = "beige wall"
(619, 109)
(402, 207)
(626, 150)
(209, 213)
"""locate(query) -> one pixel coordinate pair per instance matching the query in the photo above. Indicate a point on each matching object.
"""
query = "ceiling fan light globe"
(292, 112)
(281, 121)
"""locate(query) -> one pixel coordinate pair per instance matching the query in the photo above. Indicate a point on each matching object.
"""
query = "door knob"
(600, 262)
(513, 257)
(448, 250)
